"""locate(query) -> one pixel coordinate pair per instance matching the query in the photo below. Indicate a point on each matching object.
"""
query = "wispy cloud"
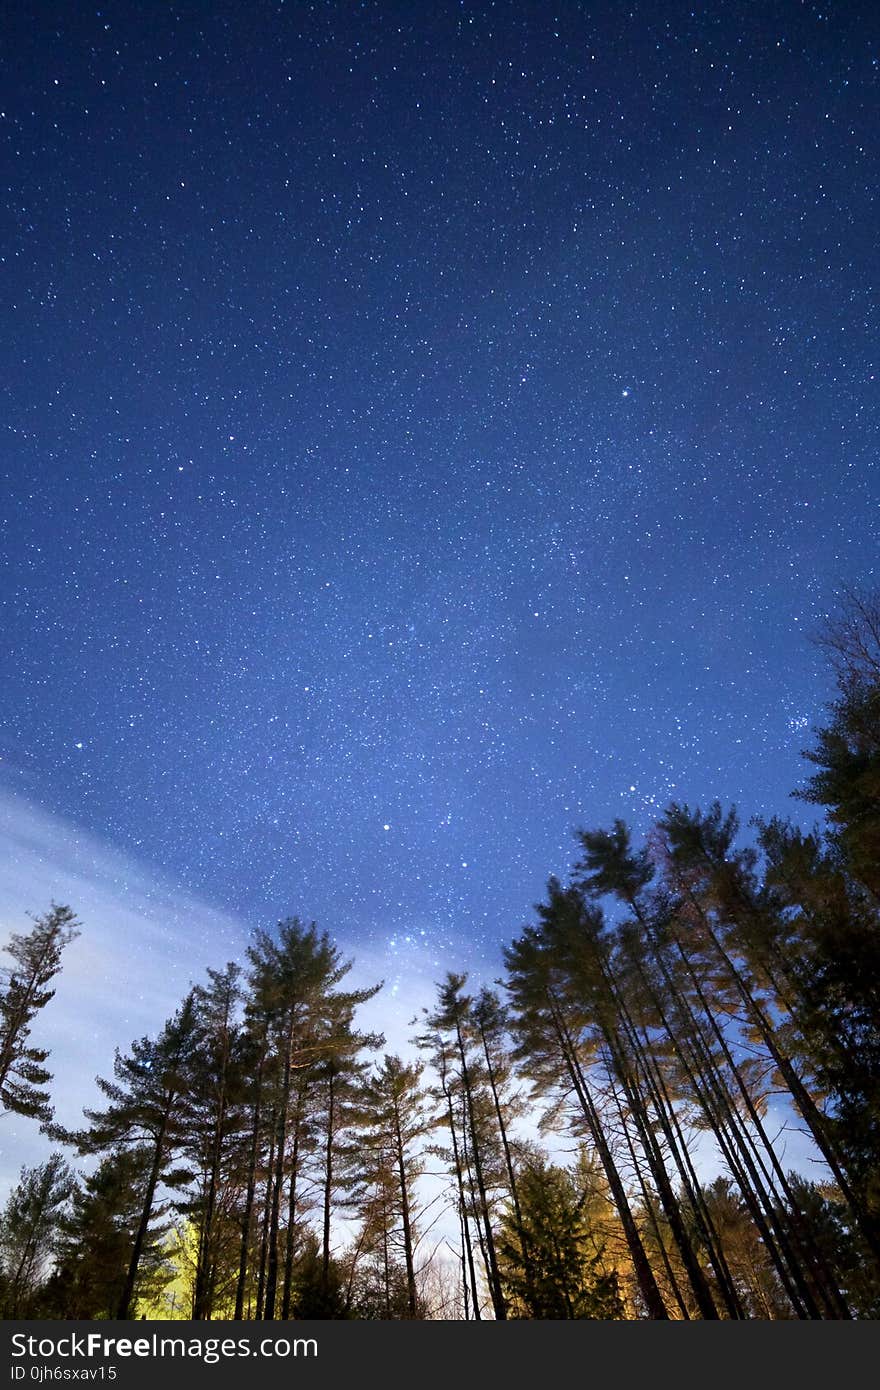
(144, 940)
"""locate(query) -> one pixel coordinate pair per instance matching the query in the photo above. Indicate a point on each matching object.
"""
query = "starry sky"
(426, 429)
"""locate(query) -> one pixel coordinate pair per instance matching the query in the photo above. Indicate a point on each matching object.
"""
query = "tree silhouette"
(29, 1225)
(147, 1110)
(24, 991)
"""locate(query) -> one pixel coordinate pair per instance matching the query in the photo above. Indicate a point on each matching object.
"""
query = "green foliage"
(567, 1275)
(95, 1241)
(611, 866)
(319, 1288)
(29, 1225)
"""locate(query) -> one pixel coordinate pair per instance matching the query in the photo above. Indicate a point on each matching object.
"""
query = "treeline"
(673, 1009)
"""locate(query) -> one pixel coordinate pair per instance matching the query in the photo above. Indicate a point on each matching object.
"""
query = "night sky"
(426, 429)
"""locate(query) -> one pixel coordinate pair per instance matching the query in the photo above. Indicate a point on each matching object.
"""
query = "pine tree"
(37, 956)
(451, 1018)
(847, 753)
(95, 1241)
(216, 1127)
(567, 1276)
(147, 1110)
(591, 973)
(385, 1162)
(832, 951)
(307, 1028)
(447, 1094)
(694, 1069)
(490, 1023)
(339, 1080)
(29, 1226)
(731, 918)
(557, 1042)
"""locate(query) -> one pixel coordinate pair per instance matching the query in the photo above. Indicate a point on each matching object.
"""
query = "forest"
(598, 1134)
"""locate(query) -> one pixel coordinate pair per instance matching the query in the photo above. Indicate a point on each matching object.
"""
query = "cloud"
(144, 940)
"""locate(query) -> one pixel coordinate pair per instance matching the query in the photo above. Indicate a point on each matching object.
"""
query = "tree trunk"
(143, 1225)
(249, 1196)
(644, 1274)
(498, 1302)
(407, 1229)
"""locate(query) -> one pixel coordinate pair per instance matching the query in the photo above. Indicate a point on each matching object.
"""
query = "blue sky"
(426, 430)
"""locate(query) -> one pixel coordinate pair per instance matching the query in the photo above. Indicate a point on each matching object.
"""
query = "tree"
(28, 1233)
(385, 1164)
(759, 1287)
(567, 1275)
(319, 1287)
(303, 1024)
(685, 1000)
(490, 1024)
(847, 754)
(452, 1018)
(559, 1042)
(676, 1057)
(214, 1132)
(37, 956)
(448, 1095)
(96, 1238)
(738, 928)
(833, 953)
(147, 1111)
(339, 1080)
